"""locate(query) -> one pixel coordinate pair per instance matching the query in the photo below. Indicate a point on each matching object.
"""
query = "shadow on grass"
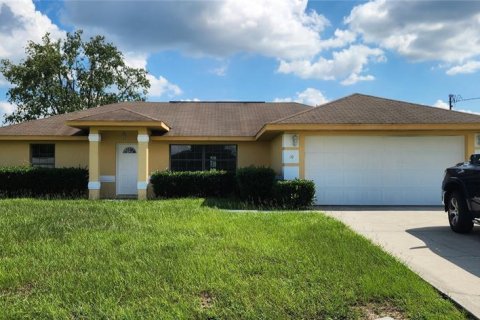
(233, 203)
(25, 195)
(378, 208)
(237, 204)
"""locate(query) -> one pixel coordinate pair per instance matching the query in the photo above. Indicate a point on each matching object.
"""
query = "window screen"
(43, 155)
(196, 157)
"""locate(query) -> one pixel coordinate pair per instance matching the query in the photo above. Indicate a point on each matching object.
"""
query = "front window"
(42, 155)
(197, 157)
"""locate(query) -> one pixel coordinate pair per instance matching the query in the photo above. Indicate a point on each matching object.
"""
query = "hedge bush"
(255, 183)
(43, 182)
(212, 183)
(294, 194)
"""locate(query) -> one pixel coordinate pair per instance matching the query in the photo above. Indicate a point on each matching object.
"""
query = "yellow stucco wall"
(249, 153)
(67, 153)
(255, 153)
(158, 156)
(276, 154)
(14, 153)
(71, 154)
(258, 153)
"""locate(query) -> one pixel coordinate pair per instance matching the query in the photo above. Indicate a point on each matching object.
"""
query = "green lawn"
(180, 259)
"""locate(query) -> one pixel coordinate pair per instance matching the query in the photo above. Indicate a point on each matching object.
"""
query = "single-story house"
(359, 150)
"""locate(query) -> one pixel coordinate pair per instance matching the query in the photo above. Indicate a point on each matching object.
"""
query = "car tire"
(459, 217)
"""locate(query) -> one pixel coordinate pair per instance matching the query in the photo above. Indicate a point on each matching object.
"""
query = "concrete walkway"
(422, 239)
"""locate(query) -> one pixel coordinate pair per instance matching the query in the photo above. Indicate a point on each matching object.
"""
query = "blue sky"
(273, 50)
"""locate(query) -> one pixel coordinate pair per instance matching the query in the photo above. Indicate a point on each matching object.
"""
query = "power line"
(454, 98)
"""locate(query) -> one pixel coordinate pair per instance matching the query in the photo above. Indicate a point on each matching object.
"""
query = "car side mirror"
(475, 159)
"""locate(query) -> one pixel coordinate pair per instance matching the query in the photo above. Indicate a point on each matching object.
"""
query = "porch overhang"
(118, 125)
(119, 119)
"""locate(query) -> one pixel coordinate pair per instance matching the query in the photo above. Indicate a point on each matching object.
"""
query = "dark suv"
(461, 194)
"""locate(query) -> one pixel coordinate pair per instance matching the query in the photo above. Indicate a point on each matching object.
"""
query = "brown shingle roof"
(242, 119)
(116, 115)
(364, 109)
(183, 118)
(51, 126)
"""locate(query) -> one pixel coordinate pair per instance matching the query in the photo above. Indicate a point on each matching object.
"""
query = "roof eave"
(159, 125)
(42, 138)
(273, 128)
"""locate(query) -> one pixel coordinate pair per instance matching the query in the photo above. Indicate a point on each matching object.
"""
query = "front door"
(127, 163)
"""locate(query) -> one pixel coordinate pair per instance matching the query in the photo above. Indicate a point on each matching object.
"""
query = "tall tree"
(69, 75)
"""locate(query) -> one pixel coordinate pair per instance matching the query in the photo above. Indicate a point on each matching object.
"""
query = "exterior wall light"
(295, 140)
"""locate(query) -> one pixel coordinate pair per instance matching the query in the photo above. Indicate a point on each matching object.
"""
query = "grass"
(180, 259)
(234, 203)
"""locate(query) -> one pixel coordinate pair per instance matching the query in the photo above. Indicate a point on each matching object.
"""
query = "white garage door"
(351, 170)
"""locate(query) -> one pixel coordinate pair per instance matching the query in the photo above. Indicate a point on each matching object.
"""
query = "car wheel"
(458, 215)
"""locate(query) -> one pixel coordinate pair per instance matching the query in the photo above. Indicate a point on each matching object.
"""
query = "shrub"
(294, 194)
(212, 183)
(43, 182)
(255, 186)
(255, 183)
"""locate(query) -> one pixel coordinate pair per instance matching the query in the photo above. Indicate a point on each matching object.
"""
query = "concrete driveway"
(422, 239)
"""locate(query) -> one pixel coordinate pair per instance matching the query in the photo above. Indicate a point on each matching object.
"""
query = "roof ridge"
(33, 120)
(60, 115)
(311, 109)
(143, 115)
(140, 114)
(89, 115)
(421, 105)
(411, 104)
(111, 111)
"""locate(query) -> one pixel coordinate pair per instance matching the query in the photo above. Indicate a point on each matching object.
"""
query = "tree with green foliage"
(69, 75)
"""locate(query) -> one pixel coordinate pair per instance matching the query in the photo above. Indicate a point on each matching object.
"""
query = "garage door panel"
(380, 170)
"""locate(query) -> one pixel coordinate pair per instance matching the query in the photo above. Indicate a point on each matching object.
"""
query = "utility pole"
(454, 98)
(450, 101)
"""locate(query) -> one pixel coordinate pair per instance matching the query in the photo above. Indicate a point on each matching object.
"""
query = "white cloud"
(468, 111)
(468, 67)
(5, 108)
(444, 105)
(282, 29)
(3, 81)
(275, 28)
(444, 31)
(220, 71)
(191, 100)
(309, 96)
(19, 23)
(161, 86)
(354, 78)
(441, 104)
(340, 39)
(135, 59)
(347, 65)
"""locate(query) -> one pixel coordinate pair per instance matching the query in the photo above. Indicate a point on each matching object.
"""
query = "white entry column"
(143, 172)
(94, 165)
